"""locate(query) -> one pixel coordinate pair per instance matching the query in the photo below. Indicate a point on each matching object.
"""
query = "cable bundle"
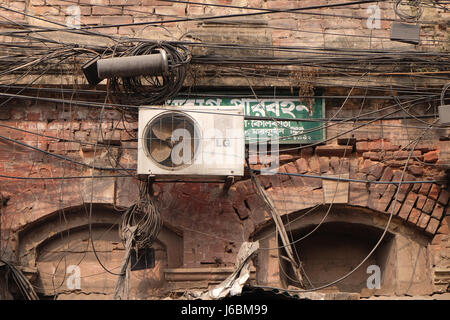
(140, 227)
(145, 217)
(150, 90)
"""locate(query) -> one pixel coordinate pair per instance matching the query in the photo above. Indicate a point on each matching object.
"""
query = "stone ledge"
(212, 274)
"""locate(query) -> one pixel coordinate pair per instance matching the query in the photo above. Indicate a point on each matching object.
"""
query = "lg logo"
(223, 143)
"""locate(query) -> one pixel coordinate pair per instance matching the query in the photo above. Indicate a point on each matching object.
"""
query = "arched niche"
(59, 247)
(339, 243)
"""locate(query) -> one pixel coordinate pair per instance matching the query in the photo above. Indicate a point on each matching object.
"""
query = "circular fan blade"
(162, 131)
(160, 151)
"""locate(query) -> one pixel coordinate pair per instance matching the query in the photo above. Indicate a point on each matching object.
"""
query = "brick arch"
(422, 205)
(403, 256)
(36, 234)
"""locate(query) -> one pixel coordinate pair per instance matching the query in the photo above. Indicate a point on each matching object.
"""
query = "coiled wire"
(409, 17)
(151, 90)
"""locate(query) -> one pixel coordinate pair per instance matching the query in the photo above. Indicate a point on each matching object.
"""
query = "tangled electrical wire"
(150, 90)
(23, 284)
(140, 227)
(144, 216)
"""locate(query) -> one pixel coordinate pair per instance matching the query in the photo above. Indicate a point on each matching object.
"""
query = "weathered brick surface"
(432, 226)
(334, 150)
(431, 156)
(434, 192)
(408, 205)
(197, 206)
(429, 205)
(414, 216)
(438, 211)
(324, 164)
(423, 221)
(443, 197)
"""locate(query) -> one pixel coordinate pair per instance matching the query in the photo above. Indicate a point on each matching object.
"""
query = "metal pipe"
(151, 64)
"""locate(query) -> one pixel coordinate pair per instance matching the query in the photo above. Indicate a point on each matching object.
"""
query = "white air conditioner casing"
(219, 153)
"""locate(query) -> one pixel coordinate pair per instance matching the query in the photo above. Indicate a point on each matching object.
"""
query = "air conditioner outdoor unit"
(191, 142)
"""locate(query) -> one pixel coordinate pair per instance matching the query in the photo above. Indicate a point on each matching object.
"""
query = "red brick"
(438, 211)
(429, 205)
(380, 188)
(102, 11)
(444, 226)
(334, 150)
(124, 2)
(292, 168)
(423, 220)
(404, 187)
(443, 197)
(416, 170)
(384, 201)
(45, 10)
(381, 145)
(178, 11)
(314, 164)
(90, 2)
(434, 192)
(358, 195)
(374, 156)
(362, 146)
(286, 158)
(395, 205)
(283, 177)
(91, 20)
(59, 125)
(408, 205)
(387, 174)
(376, 170)
(34, 116)
(63, 146)
(245, 188)
(432, 226)
(306, 152)
(324, 164)
(404, 154)
(414, 216)
(431, 156)
(302, 165)
(156, 3)
(110, 136)
(425, 188)
(117, 19)
(421, 201)
(242, 211)
(366, 165)
(416, 187)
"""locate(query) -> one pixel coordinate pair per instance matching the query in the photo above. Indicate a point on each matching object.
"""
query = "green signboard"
(289, 132)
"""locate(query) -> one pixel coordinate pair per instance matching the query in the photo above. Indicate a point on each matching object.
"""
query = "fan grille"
(171, 140)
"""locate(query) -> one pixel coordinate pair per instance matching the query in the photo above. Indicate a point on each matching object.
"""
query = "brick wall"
(213, 226)
(286, 28)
